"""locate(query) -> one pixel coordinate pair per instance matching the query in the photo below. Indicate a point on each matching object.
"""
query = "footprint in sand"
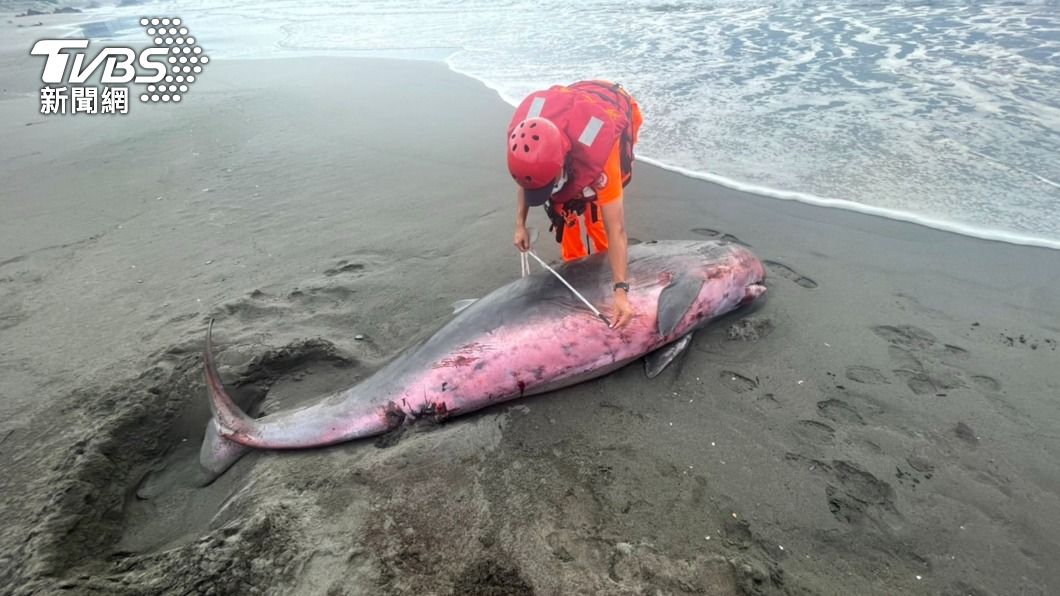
(921, 465)
(955, 352)
(966, 434)
(917, 469)
(922, 383)
(906, 336)
(866, 375)
(857, 493)
(926, 366)
(738, 533)
(988, 384)
(259, 304)
(853, 493)
(736, 381)
(906, 339)
(839, 411)
(256, 305)
(788, 273)
(904, 359)
(344, 267)
(919, 383)
(813, 432)
(709, 233)
(750, 329)
(329, 296)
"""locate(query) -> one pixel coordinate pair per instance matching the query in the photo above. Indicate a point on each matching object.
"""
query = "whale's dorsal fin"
(460, 305)
(675, 300)
(655, 362)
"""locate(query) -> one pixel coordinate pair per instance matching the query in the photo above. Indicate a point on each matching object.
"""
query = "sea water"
(946, 113)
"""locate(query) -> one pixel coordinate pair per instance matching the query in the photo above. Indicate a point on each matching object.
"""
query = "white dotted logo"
(185, 57)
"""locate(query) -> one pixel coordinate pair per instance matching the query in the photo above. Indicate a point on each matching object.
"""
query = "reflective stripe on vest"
(536, 106)
(592, 128)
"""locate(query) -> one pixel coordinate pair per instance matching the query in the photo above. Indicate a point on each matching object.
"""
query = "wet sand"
(885, 422)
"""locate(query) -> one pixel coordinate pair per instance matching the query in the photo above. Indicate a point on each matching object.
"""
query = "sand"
(885, 422)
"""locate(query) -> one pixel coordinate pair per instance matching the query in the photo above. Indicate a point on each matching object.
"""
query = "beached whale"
(527, 337)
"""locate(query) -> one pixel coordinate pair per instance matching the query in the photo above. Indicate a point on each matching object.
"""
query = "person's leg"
(596, 228)
(572, 246)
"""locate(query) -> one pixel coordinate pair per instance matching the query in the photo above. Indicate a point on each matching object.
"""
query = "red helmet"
(537, 149)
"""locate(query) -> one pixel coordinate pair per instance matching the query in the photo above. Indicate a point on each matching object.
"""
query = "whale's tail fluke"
(218, 452)
(231, 431)
(228, 417)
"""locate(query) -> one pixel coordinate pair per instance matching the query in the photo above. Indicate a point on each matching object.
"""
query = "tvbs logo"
(118, 63)
(167, 70)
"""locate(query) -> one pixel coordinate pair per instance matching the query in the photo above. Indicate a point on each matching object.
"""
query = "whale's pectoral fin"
(460, 305)
(655, 362)
(675, 300)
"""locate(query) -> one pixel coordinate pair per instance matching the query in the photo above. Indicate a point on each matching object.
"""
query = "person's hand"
(623, 311)
(522, 239)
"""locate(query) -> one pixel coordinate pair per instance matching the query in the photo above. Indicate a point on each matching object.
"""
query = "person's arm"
(618, 257)
(522, 238)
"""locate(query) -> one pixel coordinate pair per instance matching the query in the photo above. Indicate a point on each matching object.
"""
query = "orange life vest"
(593, 115)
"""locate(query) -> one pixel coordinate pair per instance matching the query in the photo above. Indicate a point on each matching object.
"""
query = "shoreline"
(430, 54)
(935, 223)
(884, 416)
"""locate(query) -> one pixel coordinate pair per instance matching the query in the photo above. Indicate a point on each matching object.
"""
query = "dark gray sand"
(885, 422)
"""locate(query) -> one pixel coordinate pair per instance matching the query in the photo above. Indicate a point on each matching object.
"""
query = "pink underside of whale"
(529, 337)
